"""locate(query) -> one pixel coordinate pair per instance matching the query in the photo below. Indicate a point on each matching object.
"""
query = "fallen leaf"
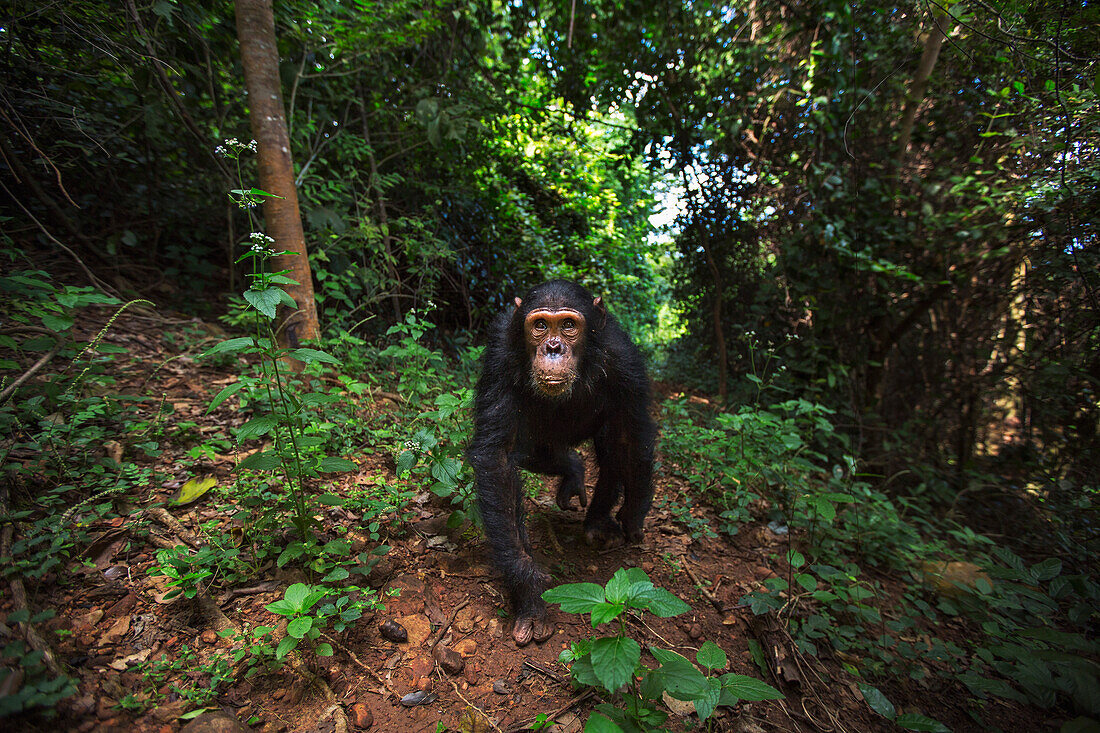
(194, 489)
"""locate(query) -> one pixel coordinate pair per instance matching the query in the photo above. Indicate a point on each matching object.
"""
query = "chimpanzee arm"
(500, 501)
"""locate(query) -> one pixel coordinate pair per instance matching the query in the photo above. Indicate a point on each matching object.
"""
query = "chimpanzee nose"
(554, 346)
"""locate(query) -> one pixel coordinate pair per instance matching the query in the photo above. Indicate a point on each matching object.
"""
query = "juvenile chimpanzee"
(558, 370)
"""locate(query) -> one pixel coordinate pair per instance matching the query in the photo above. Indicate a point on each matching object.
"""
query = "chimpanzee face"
(555, 342)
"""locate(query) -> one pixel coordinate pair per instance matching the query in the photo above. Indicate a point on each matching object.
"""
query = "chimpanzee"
(558, 370)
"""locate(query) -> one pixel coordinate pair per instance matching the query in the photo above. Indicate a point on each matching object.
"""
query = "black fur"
(516, 426)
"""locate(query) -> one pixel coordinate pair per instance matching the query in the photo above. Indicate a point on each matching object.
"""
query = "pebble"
(450, 660)
(210, 637)
(393, 631)
(695, 631)
(467, 647)
(500, 687)
(361, 716)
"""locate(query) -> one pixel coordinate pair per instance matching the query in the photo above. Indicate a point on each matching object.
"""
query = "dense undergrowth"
(895, 587)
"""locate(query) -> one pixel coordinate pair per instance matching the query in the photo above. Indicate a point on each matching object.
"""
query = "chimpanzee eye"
(540, 325)
(569, 324)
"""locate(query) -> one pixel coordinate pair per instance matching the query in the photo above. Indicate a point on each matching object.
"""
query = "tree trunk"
(932, 44)
(260, 58)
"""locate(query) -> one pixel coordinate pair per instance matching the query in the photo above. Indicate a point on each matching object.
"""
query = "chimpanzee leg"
(637, 467)
(560, 462)
(599, 528)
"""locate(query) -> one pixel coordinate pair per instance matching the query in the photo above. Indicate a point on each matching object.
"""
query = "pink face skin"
(555, 338)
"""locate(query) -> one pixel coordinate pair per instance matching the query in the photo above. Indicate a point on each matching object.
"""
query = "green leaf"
(405, 462)
(299, 627)
(711, 656)
(309, 356)
(575, 597)
(604, 612)
(796, 559)
(57, 323)
(323, 650)
(1047, 569)
(614, 660)
(666, 605)
(913, 721)
(679, 676)
(330, 500)
(878, 701)
(618, 586)
(285, 647)
(705, 704)
(256, 427)
(267, 460)
(229, 346)
(296, 594)
(597, 723)
(265, 301)
(331, 464)
(749, 688)
(224, 395)
(807, 581)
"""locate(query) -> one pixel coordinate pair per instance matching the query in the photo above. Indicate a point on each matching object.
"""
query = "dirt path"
(111, 616)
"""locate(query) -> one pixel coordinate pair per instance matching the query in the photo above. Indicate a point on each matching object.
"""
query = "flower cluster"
(232, 148)
(261, 244)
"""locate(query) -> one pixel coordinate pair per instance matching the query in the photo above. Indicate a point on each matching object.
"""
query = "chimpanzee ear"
(519, 303)
(601, 314)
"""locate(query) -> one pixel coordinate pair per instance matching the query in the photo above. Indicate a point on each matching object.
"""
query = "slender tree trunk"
(260, 58)
(932, 44)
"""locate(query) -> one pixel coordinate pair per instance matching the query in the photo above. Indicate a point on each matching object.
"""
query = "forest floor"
(113, 616)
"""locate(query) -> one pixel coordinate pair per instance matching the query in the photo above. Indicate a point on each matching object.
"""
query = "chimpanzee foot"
(601, 532)
(530, 628)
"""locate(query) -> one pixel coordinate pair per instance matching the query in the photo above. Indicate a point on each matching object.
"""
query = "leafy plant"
(304, 622)
(613, 663)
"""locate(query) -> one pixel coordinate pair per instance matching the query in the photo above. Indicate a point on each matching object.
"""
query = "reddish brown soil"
(112, 613)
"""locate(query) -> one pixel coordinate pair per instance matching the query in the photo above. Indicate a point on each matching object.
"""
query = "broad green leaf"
(706, 703)
(331, 464)
(265, 301)
(256, 427)
(193, 489)
(296, 594)
(618, 586)
(230, 346)
(796, 558)
(56, 322)
(597, 723)
(330, 500)
(913, 721)
(604, 612)
(267, 460)
(575, 597)
(807, 581)
(666, 605)
(614, 660)
(309, 356)
(285, 646)
(224, 395)
(711, 656)
(749, 688)
(299, 627)
(323, 650)
(405, 462)
(878, 701)
(1047, 569)
(680, 677)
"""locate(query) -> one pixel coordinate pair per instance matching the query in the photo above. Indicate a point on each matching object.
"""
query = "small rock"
(450, 660)
(495, 628)
(470, 674)
(464, 621)
(647, 566)
(695, 631)
(393, 631)
(210, 637)
(500, 687)
(418, 626)
(361, 716)
(467, 648)
(420, 665)
(423, 683)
